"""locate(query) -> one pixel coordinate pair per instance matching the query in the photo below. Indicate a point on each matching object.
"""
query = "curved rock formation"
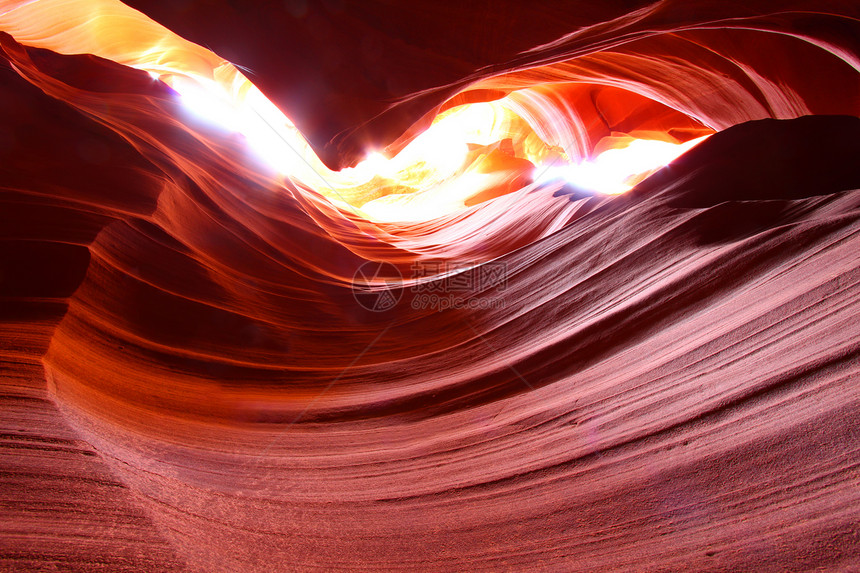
(209, 366)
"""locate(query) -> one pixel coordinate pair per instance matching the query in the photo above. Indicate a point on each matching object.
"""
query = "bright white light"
(267, 131)
(437, 153)
(616, 171)
(207, 100)
(432, 164)
(375, 164)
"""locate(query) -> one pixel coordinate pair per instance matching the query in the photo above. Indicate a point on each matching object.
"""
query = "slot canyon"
(429, 286)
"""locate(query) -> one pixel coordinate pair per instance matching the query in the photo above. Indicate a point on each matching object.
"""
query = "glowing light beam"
(616, 171)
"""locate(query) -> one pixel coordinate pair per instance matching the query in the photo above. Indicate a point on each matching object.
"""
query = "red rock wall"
(667, 380)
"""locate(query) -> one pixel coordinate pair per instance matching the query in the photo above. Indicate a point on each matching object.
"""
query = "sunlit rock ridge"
(381, 286)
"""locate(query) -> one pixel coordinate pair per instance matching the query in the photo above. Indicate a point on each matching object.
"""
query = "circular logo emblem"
(377, 286)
